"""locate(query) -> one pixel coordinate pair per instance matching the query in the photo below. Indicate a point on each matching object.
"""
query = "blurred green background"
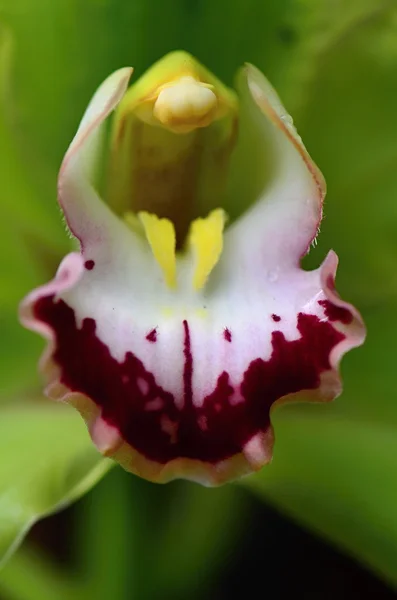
(334, 64)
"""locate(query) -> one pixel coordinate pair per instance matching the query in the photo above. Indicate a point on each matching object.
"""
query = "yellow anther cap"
(185, 105)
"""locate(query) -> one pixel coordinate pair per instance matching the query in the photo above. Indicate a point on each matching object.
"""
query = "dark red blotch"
(336, 313)
(227, 334)
(152, 335)
(88, 367)
(89, 264)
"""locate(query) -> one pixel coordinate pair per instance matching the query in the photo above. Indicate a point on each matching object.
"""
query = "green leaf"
(47, 462)
(41, 579)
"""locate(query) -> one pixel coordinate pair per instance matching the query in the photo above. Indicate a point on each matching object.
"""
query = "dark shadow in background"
(274, 559)
(278, 559)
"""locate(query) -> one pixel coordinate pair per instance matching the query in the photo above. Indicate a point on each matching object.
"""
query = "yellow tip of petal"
(206, 240)
(160, 234)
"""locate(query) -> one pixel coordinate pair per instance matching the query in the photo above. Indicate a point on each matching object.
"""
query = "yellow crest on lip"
(160, 234)
(205, 240)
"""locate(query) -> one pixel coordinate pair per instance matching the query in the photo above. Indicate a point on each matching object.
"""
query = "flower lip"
(174, 383)
(133, 402)
(138, 421)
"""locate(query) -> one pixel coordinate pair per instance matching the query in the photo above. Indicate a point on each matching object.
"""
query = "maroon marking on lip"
(89, 264)
(133, 401)
(187, 368)
(227, 334)
(276, 318)
(336, 313)
(152, 335)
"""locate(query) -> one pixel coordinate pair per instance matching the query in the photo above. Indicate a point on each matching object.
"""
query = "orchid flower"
(186, 317)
